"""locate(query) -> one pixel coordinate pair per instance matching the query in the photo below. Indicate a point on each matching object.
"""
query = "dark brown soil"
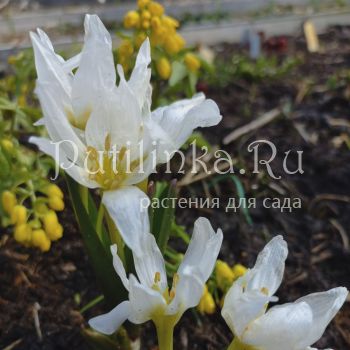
(317, 234)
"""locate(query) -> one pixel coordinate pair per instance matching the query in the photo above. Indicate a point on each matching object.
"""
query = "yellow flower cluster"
(225, 275)
(207, 303)
(149, 20)
(43, 227)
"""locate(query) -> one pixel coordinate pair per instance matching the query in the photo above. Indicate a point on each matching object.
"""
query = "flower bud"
(145, 23)
(224, 275)
(170, 22)
(192, 62)
(50, 220)
(55, 232)
(140, 38)
(155, 8)
(9, 201)
(142, 3)
(146, 15)
(56, 203)
(239, 270)
(41, 208)
(53, 190)
(164, 68)
(174, 44)
(131, 19)
(19, 215)
(40, 240)
(22, 233)
(207, 303)
(7, 145)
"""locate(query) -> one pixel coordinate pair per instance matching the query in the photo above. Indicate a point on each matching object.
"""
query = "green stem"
(165, 333)
(99, 220)
(84, 195)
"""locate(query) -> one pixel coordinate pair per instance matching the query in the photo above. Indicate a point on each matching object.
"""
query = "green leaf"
(240, 193)
(98, 341)
(100, 259)
(179, 71)
(163, 217)
(200, 140)
(192, 78)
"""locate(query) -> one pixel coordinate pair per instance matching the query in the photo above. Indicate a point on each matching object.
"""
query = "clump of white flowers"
(102, 134)
(291, 326)
(150, 297)
(105, 136)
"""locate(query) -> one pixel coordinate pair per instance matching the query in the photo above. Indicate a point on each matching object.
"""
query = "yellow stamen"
(264, 290)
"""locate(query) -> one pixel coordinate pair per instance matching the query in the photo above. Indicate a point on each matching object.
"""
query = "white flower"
(149, 295)
(291, 326)
(117, 140)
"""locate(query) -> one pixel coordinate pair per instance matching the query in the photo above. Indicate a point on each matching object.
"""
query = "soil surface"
(315, 99)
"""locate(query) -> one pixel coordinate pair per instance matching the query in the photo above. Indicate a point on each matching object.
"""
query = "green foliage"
(242, 67)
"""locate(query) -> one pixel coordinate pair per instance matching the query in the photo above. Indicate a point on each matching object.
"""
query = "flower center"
(109, 168)
(168, 295)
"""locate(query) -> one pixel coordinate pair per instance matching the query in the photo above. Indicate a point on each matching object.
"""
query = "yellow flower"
(9, 201)
(239, 270)
(140, 38)
(56, 203)
(155, 8)
(155, 23)
(41, 208)
(164, 68)
(146, 23)
(170, 22)
(174, 44)
(146, 14)
(53, 190)
(224, 275)
(132, 19)
(22, 233)
(142, 3)
(126, 49)
(55, 232)
(40, 240)
(192, 62)
(7, 145)
(19, 215)
(207, 303)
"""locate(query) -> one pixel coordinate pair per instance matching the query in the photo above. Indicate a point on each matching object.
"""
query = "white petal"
(242, 307)
(58, 154)
(54, 102)
(324, 307)
(282, 327)
(145, 302)
(268, 271)
(188, 293)
(118, 116)
(180, 119)
(150, 262)
(110, 322)
(140, 78)
(143, 171)
(96, 72)
(119, 267)
(203, 249)
(49, 65)
(128, 209)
